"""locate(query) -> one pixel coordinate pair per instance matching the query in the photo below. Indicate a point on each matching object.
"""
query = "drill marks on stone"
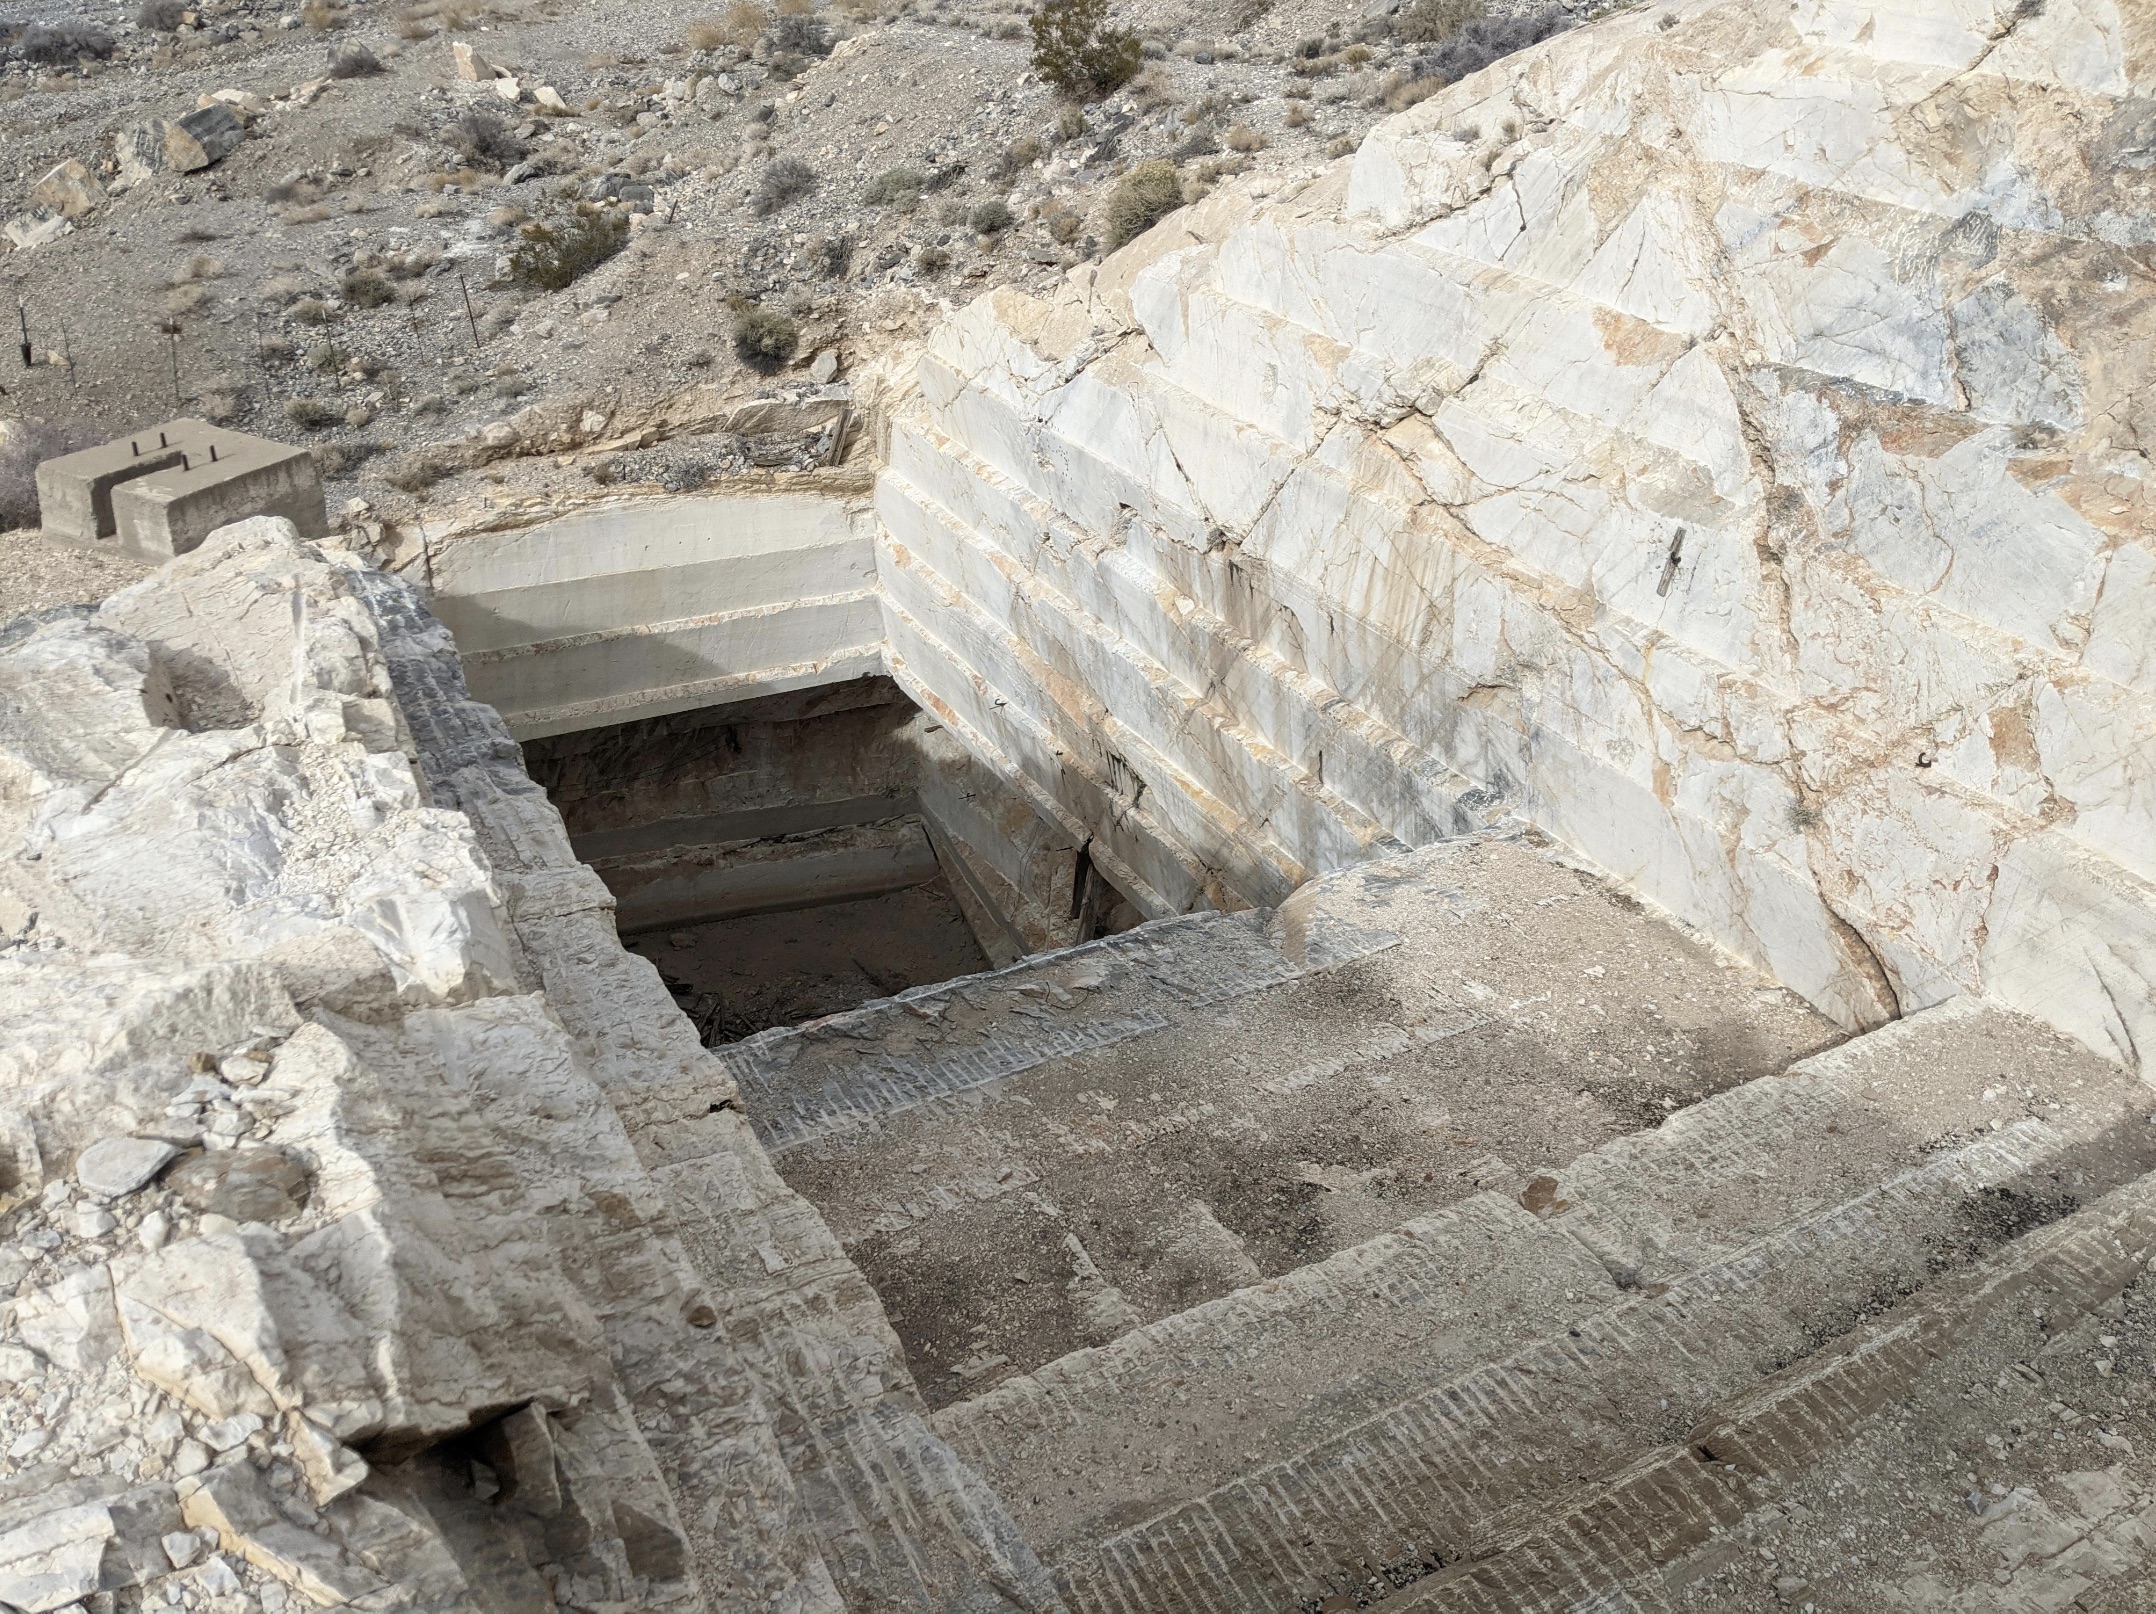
(849, 1072)
(1431, 1471)
(814, 1469)
(1629, 1529)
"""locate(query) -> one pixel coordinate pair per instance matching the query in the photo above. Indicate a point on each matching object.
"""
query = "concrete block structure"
(159, 492)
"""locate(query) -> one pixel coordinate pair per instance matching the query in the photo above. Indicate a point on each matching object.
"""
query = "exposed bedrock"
(1721, 444)
(349, 1157)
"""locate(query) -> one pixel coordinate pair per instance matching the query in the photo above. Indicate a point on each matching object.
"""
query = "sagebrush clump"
(800, 35)
(354, 61)
(1077, 51)
(1141, 199)
(366, 288)
(785, 179)
(1483, 40)
(894, 187)
(1428, 21)
(483, 139)
(49, 44)
(161, 16)
(764, 338)
(551, 256)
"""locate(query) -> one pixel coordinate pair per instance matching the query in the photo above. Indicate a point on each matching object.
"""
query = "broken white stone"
(235, 1502)
(227, 1433)
(72, 1323)
(472, 67)
(67, 1555)
(37, 228)
(183, 1547)
(113, 1167)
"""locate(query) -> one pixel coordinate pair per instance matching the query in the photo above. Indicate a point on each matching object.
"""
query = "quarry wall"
(1743, 483)
(1721, 444)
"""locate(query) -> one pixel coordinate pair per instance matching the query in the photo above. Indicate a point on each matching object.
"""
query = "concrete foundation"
(159, 492)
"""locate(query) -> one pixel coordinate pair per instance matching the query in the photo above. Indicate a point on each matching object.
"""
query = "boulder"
(472, 67)
(68, 189)
(204, 136)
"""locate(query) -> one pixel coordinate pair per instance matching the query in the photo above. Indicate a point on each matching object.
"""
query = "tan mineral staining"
(1636, 577)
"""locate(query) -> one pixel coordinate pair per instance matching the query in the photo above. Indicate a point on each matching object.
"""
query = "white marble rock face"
(1723, 444)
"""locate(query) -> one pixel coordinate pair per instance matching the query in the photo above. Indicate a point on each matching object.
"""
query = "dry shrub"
(796, 8)
(1141, 199)
(764, 338)
(200, 267)
(1063, 224)
(183, 300)
(160, 16)
(310, 414)
(310, 311)
(1241, 137)
(706, 33)
(481, 137)
(1298, 115)
(1400, 92)
(312, 213)
(894, 187)
(323, 16)
(1428, 21)
(784, 179)
(1151, 90)
(367, 288)
(277, 349)
(743, 23)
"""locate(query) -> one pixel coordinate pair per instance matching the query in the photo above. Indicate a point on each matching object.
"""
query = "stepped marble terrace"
(1439, 894)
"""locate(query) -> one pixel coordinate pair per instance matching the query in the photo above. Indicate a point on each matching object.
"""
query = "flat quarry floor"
(733, 977)
(1498, 1013)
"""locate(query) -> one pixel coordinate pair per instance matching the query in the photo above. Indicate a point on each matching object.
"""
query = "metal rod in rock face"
(470, 318)
(22, 316)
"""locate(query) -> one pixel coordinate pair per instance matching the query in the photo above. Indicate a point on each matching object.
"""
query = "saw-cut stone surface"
(1704, 434)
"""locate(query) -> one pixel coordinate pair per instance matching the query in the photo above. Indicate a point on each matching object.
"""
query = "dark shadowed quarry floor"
(734, 977)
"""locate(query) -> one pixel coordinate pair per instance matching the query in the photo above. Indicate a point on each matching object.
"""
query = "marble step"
(1678, 1512)
(1043, 1159)
(1376, 1414)
(850, 1073)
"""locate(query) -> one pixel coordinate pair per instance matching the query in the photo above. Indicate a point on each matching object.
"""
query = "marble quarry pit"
(1441, 894)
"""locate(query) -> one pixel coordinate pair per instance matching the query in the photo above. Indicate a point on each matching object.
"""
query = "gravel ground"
(344, 278)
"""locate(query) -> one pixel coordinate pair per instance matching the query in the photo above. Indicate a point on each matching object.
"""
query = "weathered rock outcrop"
(376, 1230)
(1718, 436)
